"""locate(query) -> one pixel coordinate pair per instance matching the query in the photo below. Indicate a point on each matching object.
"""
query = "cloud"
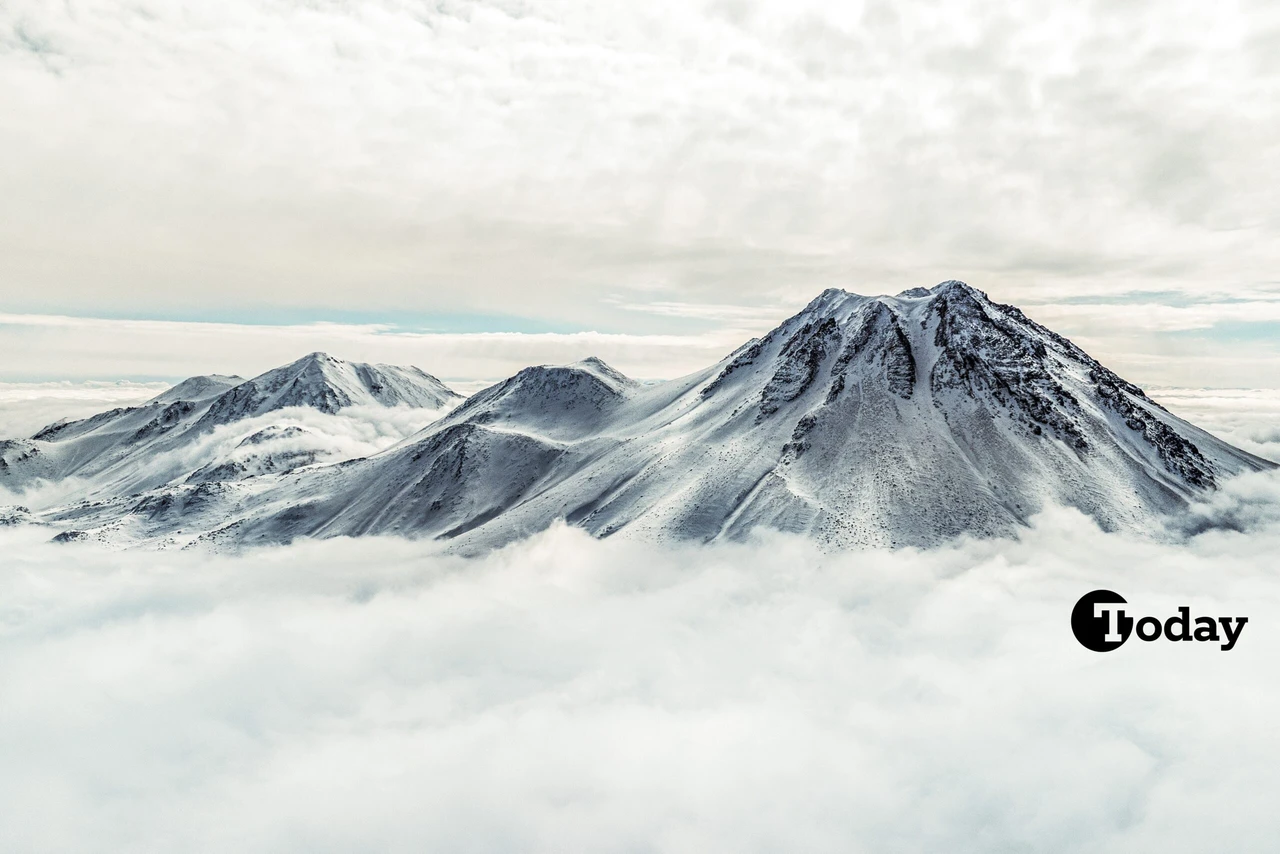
(47, 347)
(713, 164)
(1243, 504)
(1153, 317)
(108, 348)
(355, 431)
(572, 694)
(460, 156)
(27, 407)
(1247, 418)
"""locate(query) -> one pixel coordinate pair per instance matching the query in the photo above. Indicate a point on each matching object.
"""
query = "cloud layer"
(49, 347)
(1247, 418)
(27, 407)
(571, 694)
(170, 158)
(54, 347)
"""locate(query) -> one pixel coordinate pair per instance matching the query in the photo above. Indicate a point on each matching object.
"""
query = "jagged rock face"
(982, 353)
(871, 335)
(17, 451)
(878, 339)
(803, 355)
(169, 417)
(1179, 454)
(902, 420)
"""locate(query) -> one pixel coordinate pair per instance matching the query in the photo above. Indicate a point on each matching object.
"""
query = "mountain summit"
(319, 381)
(887, 420)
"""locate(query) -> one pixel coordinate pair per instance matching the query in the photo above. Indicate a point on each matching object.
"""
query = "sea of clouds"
(27, 407)
(569, 694)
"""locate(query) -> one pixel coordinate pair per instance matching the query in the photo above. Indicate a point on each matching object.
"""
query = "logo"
(1102, 621)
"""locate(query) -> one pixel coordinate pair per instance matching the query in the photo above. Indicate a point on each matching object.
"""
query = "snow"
(223, 428)
(889, 420)
(198, 388)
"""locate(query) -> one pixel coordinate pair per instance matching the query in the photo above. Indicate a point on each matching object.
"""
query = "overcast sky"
(652, 181)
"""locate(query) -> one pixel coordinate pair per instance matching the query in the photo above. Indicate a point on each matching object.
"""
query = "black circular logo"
(1099, 621)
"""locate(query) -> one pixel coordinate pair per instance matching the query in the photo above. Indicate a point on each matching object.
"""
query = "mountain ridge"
(858, 421)
(129, 448)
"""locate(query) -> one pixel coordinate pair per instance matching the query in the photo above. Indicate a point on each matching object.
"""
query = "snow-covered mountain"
(326, 384)
(901, 420)
(198, 388)
(211, 427)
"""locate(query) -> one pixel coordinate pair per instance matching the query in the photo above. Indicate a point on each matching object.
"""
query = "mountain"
(211, 427)
(903, 420)
(198, 388)
(326, 384)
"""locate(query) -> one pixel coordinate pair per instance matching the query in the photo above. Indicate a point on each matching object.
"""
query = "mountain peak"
(319, 359)
(951, 286)
(198, 388)
(320, 381)
(603, 370)
(841, 303)
(829, 300)
(557, 399)
(955, 291)
(914, 293)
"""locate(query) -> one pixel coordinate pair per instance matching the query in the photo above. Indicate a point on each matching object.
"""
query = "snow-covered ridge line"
(887, 420)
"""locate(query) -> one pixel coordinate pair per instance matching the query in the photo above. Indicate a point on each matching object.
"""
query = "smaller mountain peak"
(198, 388)
(593, 366)
(604, 370)
(953, 287)
(829, 303)
(914, 293)
(828, 298)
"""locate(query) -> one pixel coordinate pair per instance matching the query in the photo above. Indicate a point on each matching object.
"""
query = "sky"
(191, 187)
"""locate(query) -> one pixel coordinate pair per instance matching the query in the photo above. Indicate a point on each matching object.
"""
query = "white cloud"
(104, 348)
(569, 694)
(1247, 418)
(27, 407)
(1153, 317)
(55, 347)
(531, 158)
(713, 163)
